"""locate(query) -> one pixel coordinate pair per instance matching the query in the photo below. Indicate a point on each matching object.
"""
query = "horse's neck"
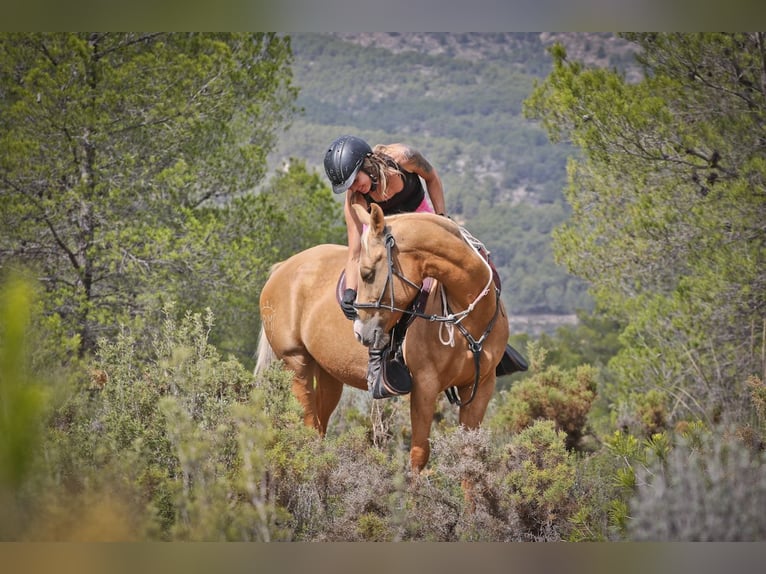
(453, 262)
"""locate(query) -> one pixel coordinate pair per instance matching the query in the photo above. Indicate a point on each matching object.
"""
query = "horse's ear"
(377, 220)
(361, 213)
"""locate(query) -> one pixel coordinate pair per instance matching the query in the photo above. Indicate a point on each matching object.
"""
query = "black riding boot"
(387, 377)
(512, 362)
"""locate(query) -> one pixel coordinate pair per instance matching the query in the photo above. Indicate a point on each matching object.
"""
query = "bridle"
(389, 285)
(475, 345)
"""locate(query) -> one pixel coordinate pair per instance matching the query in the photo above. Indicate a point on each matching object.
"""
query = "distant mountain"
(458, 99)
(523, 49)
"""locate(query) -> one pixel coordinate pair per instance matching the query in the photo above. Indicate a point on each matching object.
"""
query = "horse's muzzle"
(371, 333)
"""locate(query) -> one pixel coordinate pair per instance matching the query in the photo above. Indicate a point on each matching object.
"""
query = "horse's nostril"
(358, 330)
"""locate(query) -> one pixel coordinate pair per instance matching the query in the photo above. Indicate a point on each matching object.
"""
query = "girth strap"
(476, 346)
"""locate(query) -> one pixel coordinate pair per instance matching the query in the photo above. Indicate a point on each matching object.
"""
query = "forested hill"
(458, 99)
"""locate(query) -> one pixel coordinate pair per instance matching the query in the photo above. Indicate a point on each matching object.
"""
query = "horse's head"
(385, 289)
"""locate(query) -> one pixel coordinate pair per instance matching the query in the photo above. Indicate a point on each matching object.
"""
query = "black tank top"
(407, 200)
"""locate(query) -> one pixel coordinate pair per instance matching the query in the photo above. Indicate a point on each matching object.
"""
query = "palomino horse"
(303, 325)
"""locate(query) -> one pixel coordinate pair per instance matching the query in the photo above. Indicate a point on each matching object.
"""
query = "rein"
(475, 345)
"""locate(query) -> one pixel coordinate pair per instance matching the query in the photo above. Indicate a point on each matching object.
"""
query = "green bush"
(23, 401)
(708, 490)
(562, 396)
(181, 438)
(541, 475)
(600, 502)
(643, 414)
(184, 445)
(465, 495)
(757, 429)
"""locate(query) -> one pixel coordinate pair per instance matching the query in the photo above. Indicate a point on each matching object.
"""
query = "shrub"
(37, 371)
(600, 502)
(180, 437)
(643, 414)
(561, 396)
(541, 476)
(714, 490)
(465, 493)
(757, 390)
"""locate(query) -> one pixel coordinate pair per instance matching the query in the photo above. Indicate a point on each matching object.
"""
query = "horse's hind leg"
(304, 369)
(328, 393)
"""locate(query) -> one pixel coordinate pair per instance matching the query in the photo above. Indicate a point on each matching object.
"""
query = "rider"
(388, 175)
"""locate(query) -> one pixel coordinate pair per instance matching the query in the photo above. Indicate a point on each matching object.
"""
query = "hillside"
(458, 99)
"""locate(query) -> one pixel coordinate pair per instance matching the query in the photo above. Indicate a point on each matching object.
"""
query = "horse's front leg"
(422, 407)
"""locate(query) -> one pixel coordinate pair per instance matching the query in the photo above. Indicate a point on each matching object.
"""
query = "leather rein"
(475, 345)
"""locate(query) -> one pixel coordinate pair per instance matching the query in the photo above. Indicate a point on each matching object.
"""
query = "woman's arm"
(354, 232)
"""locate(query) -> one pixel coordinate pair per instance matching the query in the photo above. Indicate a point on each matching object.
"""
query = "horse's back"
(298, 279)
(304, 275)
(300, 290)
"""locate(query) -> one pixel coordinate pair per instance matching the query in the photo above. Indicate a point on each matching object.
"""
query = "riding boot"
(511, 362)
(387, 377)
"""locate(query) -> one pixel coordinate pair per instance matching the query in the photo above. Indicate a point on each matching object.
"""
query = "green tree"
(117, 151)
(292, 211)
(668, 208)
(306, 211)
(593, 340)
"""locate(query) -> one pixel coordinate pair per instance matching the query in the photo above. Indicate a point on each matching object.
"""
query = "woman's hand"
(347, 304)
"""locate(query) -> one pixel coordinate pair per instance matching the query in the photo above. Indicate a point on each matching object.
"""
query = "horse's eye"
(368, 275)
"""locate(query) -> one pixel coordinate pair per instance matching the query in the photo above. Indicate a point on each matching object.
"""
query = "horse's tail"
(265, 354)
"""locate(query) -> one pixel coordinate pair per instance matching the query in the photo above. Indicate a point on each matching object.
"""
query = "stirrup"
(512, 362)
(387, 377)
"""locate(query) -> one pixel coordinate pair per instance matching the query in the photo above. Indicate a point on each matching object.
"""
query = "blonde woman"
(389, 175)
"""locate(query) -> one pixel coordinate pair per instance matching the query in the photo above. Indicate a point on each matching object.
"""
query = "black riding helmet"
(343, 160)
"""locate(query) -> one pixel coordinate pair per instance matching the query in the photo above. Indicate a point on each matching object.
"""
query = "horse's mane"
(443, 222)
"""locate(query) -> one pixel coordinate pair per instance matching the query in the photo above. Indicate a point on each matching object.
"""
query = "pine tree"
(669, 209)
(117, 151)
